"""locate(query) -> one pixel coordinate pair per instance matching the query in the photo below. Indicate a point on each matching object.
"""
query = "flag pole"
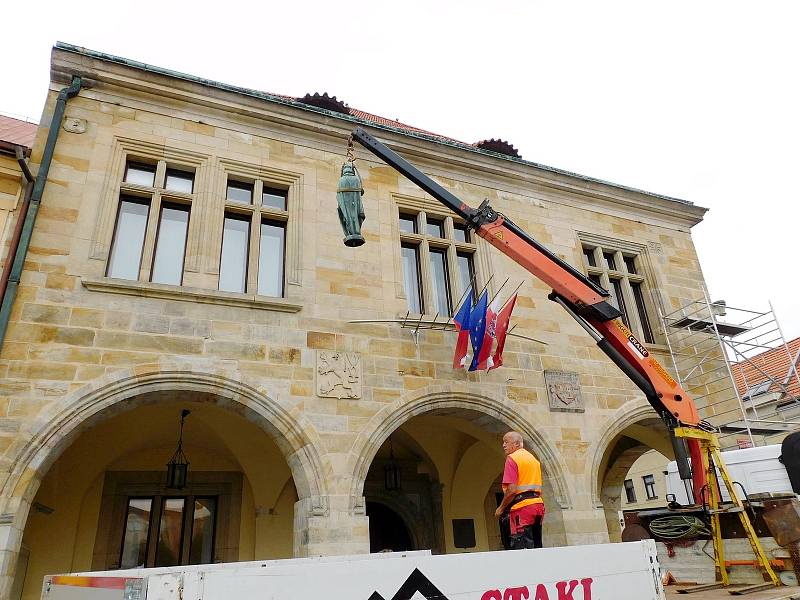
(488, 281)
(511, 296)
(460, 300)
(499, 290)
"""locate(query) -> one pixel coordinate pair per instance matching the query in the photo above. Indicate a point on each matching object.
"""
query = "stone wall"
(80, 343)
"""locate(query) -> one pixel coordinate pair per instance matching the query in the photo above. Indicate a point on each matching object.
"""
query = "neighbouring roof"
(754, 376)
(353, 115)
(17, 132)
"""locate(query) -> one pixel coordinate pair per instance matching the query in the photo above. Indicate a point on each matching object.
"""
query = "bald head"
(512, 441)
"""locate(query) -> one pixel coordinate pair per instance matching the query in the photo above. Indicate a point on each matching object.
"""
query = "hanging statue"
(348, 195)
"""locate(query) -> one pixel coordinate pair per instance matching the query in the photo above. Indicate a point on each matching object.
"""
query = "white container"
(627, 571)
(757, 469)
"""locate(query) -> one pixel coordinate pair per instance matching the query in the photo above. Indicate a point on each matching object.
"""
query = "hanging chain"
(351, 158)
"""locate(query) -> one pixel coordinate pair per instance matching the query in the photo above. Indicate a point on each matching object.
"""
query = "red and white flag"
(485, 355)
(501, 330)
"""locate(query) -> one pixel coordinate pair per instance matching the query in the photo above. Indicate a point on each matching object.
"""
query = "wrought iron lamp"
(178, 465)
(391, 472)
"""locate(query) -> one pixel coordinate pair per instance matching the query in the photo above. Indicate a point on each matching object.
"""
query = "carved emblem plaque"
(339, 374)
(564, 391)
(74, 125)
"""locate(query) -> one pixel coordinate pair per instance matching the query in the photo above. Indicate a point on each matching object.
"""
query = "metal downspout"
(23, 210)
(33, 207)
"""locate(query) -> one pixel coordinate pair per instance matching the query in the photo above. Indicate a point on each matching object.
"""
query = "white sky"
(697, 100)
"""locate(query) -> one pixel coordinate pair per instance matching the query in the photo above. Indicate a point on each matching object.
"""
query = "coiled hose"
(677, 527)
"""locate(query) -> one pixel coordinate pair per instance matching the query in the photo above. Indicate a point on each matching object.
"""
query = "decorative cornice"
(103, 70)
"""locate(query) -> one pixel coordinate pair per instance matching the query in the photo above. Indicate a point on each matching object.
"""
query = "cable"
(676, 527)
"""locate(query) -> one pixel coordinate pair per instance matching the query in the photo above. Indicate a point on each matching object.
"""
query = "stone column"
(330, 525)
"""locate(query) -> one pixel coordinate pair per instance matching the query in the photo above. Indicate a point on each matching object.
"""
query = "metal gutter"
(33, 206)
(286, 101)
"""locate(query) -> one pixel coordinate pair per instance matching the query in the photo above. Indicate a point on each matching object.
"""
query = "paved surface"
(778, 593)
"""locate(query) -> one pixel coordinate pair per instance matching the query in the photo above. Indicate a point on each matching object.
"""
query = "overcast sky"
(697, 100)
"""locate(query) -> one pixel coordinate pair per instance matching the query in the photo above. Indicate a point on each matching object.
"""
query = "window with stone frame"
(142, 523)
(630, 492)
(152, 222)
(650, 486)
(437, 260)
(621, 271)
(253, 250)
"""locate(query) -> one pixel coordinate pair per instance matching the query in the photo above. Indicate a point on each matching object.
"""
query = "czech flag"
(461, 321)
(477, 328)
(501, 329)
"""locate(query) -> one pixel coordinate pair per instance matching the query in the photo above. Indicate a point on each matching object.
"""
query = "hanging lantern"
(391, 472)
(348, 196)
(178, 465)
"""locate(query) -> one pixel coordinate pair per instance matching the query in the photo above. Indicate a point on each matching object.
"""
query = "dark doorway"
(386, 529)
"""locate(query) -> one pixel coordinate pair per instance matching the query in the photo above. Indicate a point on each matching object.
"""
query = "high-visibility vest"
(529, 477)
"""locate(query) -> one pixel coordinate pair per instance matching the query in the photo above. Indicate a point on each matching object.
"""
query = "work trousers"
(530, 536)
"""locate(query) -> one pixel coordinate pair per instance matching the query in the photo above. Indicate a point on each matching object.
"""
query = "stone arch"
(634, 429)
(57, 426)
(449, 400)
(627, 415)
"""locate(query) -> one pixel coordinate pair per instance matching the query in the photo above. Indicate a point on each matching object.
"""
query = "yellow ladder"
(711, 457)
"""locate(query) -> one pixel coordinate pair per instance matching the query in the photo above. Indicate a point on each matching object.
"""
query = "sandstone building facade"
(188, 255)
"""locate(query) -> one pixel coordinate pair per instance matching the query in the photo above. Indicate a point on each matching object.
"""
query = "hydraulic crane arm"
(585, 301)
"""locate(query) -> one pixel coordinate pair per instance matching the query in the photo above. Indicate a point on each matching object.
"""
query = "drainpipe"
(33, 206)
(23, 210)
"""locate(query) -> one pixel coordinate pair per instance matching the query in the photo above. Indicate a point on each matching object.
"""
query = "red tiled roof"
(14, 131)
(398, 125)
(773, 364)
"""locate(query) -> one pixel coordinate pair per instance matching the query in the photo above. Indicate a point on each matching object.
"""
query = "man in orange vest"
(522, 500)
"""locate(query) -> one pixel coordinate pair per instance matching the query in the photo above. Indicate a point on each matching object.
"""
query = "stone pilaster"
(329, 525)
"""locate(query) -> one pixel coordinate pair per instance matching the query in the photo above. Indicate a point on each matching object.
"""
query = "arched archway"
(633, 431)
(469, 462)
(488, 412)
(58, 426)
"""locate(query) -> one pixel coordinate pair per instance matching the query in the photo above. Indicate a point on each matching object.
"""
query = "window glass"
(441, 282)
(271, 259)
(647, 331)
(630, 264)
(140, 174)
(610, 260)
(410, 255)
(274, 198)
(126, 249)
(588, 255)
(650, 486)
(170, 533)
(233, 264)
(630, 493)
(408, 224)
(435, 228)
(597, 280)
(460, 232)
(619, 299)
(170, 245)
(241, 193)
(466, 272)
(179, 181)
(137, 525)
(201, 549)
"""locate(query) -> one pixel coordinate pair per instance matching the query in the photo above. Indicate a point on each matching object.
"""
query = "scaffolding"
(711, 355)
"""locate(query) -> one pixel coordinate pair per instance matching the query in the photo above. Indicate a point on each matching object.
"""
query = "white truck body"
(757, 469)
(627, 571)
